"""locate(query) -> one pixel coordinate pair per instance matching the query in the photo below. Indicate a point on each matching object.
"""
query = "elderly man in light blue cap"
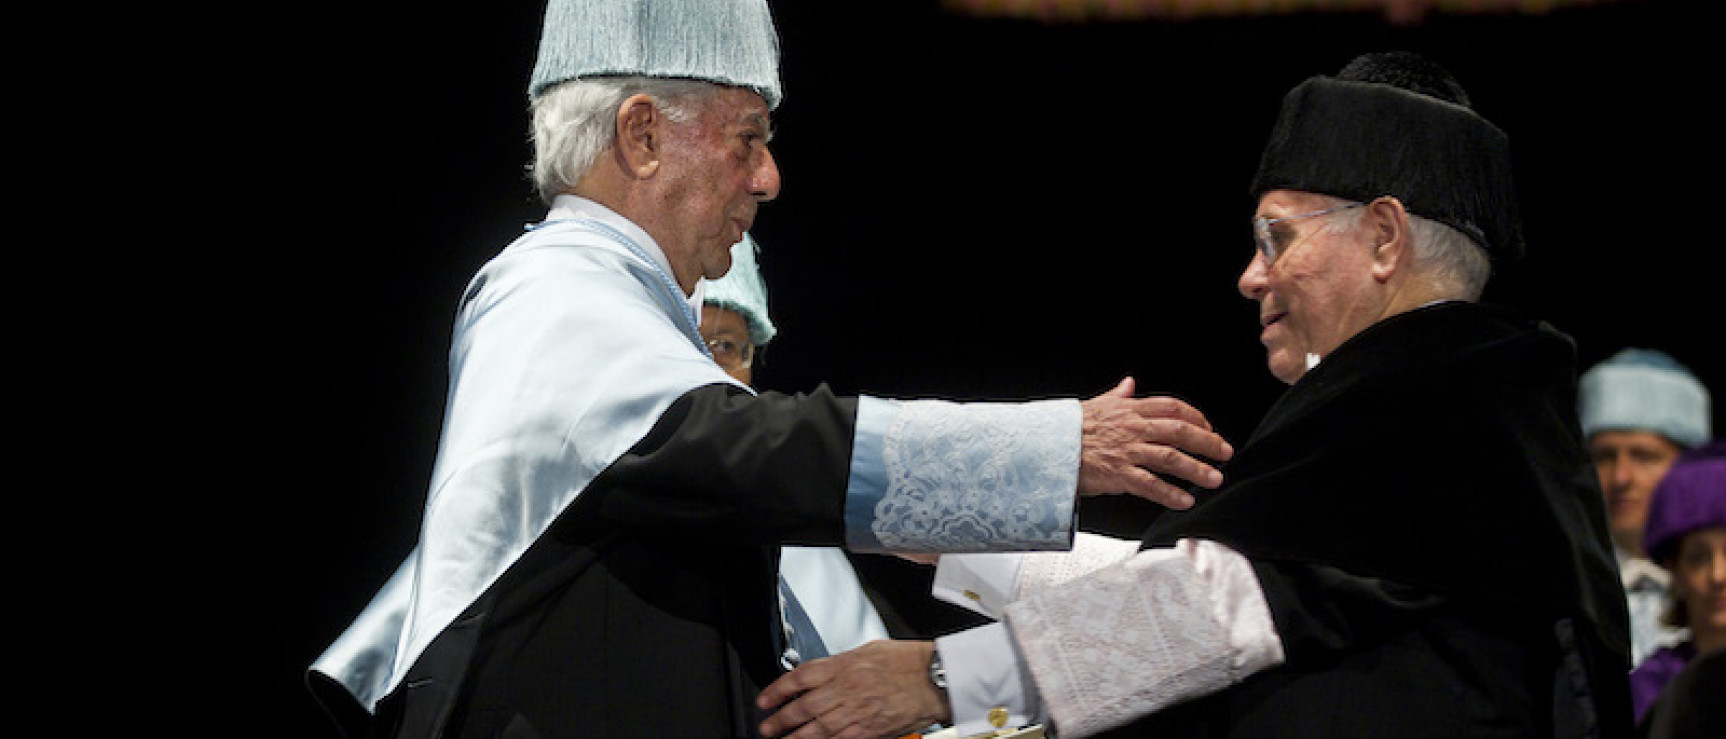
(599, 546)
(1640, 409)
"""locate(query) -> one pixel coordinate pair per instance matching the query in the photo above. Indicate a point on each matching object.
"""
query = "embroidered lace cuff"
(1165, 626)
(1091, 552)
(934, 476)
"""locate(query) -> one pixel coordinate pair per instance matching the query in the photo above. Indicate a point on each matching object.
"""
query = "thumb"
(1125, 389)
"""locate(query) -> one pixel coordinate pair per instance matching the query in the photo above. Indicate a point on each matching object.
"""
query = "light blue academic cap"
(743, 290)
(729, 42)
(1644, 390)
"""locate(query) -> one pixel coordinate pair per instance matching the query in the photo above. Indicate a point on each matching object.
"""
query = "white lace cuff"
(934, 476)
(1091, 552)
(1165, 626)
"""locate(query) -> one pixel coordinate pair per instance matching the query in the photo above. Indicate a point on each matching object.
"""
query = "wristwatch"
(937, 672)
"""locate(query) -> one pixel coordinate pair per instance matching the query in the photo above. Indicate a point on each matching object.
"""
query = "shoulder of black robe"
(1439, 449)
(650, 606)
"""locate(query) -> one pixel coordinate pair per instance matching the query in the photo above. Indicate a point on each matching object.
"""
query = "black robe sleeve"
(721, 463)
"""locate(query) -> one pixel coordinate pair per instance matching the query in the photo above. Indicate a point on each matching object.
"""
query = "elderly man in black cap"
(1411, 544)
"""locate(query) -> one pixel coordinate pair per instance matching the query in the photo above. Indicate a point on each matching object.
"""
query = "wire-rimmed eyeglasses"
(1267, 241)
(731, 354)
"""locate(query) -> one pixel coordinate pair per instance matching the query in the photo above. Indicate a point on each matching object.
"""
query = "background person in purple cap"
(1686, 534)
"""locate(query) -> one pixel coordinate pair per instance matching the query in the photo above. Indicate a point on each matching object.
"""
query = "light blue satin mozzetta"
(568, 346)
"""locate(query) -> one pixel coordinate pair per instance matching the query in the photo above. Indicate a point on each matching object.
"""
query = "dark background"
(972, 208)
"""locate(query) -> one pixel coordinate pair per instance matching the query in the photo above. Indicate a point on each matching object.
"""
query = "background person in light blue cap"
(734, 317)
(737, 326)
(1640, 409)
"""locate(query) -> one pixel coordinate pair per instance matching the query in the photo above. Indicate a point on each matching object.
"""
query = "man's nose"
(1252, 282)
(1615, 475)
(764, 184)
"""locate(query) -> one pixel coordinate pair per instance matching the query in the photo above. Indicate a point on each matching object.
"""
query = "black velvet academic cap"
(1397, 124)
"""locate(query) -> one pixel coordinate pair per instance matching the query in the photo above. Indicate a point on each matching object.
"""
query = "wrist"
(938, 680)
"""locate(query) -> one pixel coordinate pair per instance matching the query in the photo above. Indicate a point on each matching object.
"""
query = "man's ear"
(1393, 248)
(639, 137)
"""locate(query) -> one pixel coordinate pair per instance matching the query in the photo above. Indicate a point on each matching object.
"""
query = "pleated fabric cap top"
(729, 42)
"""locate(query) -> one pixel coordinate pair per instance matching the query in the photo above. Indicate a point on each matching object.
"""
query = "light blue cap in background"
(743, 290)
(1644, 390)
(729, 42)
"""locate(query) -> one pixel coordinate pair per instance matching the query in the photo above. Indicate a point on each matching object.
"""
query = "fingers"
(804, 719)
(879, 689)
(1164, 407)
(794, 714)
(1145, 470)
(1140, 482)
(828, 710)
(1171, 435)
(1116, 408)
(807, 676)
(1144, 446)
(835, 724)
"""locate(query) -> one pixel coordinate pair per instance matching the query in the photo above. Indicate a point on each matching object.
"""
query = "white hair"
(575, 121)
(1449, 258)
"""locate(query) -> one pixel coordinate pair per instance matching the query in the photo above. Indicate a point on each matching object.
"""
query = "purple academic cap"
(1691, 496)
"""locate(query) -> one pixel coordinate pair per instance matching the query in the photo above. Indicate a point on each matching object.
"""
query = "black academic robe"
(1430, 538)
(650, 607)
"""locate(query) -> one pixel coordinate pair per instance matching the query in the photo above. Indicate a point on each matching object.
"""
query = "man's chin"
(1287, 366)
(716, 271)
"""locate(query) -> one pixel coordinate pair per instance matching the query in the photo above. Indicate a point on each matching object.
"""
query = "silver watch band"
(937, 671)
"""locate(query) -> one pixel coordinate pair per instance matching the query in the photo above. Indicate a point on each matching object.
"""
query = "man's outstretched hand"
(1133, 446)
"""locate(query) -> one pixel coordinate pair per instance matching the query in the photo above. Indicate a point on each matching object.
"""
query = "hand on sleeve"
(1134, 446)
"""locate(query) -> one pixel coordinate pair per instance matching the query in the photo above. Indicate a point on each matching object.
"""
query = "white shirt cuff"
(984, 583)
(987, 684)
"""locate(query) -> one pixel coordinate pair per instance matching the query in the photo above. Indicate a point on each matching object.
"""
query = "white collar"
(566, 206)
(1312, 359)
(1633, 569)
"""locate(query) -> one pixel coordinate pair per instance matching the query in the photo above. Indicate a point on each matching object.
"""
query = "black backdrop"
(972, 209)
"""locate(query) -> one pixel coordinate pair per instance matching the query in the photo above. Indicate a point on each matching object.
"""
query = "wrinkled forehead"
(735, 106)
(1284, 203)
